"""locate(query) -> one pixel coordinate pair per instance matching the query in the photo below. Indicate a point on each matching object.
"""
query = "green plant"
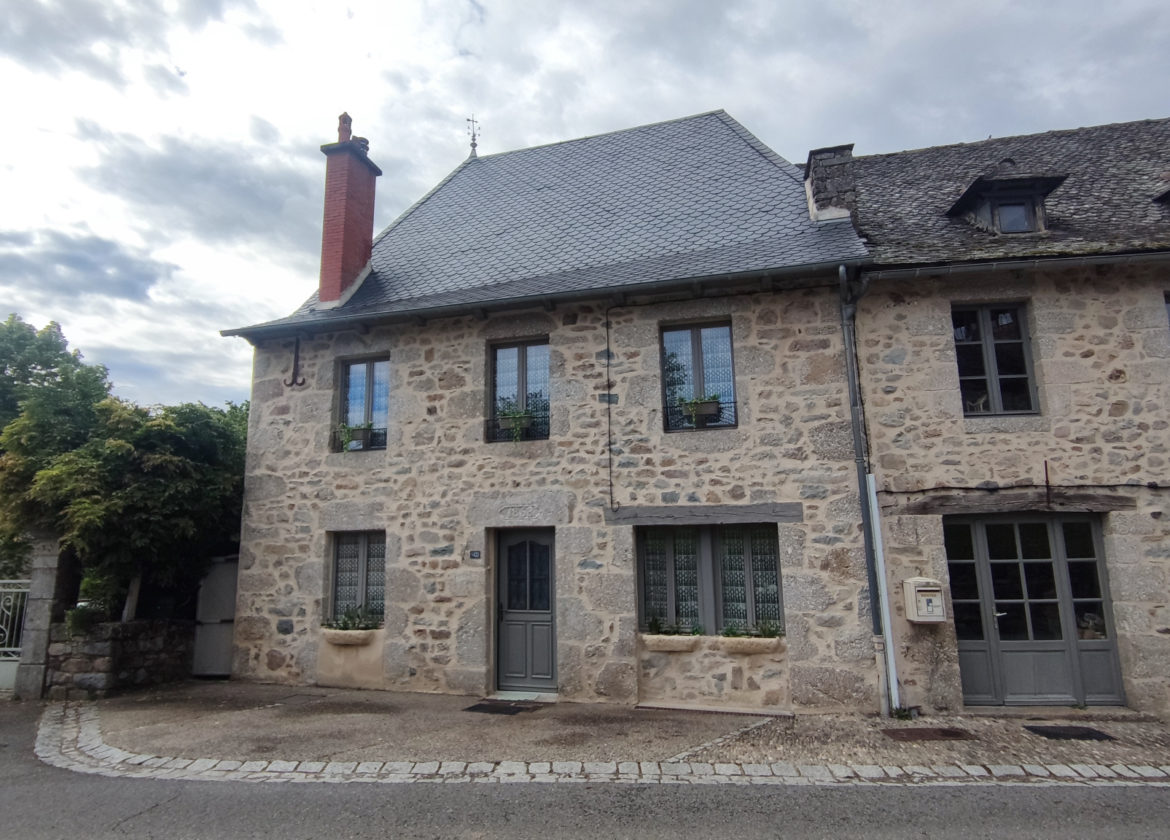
(697, 629)
(353, 618)
(768, 630)
(691, 408)
(345, 434)
(513, 420)
(733, 631)
(904, 712)
(654, 625)
(83, 618)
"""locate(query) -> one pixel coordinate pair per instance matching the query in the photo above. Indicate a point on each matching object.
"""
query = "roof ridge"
(759, 146)
(716, 112)
(1051, 133)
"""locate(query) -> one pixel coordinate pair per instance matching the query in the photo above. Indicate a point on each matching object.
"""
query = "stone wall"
(441, 492)
(1101, 349)
(714, 673)
(118, 655)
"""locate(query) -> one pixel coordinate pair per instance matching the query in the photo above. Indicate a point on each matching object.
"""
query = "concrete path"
(70, 737)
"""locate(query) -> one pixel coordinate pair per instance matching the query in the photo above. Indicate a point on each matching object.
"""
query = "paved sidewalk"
(71, 736)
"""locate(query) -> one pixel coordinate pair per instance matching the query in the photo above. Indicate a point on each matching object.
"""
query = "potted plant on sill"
(765, 637)
(514, 421)
(661, 638)
(703, 408)
(353, 627)
(348, 435)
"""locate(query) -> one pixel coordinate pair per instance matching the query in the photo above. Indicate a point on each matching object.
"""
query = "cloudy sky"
(160, 177)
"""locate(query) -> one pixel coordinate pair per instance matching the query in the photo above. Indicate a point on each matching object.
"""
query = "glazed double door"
(1031, 610)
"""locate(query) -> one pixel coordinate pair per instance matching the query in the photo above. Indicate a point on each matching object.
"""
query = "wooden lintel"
(1055, 500)
(706, 514)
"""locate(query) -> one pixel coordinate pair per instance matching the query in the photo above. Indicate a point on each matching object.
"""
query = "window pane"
(654, 576)
(1013, 623)
(1005, 324)
(678, 369)
(536, 389)
(968, 621)
(718, 379)
(1005, 580)
(686, 577)
(1034, 540)
(381, 394)
(1016, 394)
(347, 573)
(1078, 540)
(966, 325)
(518, 576)
(1082, 577)
(1091, 620)
(766, 577)
(1009, 359)
(958, 542)
(975, 396)
(355, 394)
(733, 576)
(1040, 580)
(1001, 542)
(1046, 621)
(538, 571)
(964, 583)
(1014, 218)
(970, 358)
(507, 380)
(376, 574)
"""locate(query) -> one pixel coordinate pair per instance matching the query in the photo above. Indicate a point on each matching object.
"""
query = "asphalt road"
(37, 801)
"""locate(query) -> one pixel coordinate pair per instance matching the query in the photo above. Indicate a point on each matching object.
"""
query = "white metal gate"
(13, 597)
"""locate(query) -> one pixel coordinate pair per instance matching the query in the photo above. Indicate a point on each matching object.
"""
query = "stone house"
(489, 427)
(1014, 358)
(662, 378)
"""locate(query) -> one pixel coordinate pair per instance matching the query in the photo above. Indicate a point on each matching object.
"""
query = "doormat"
(502, 708)
(929, 733)
(1070, 733)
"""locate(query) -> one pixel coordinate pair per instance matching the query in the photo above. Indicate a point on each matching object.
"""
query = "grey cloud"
(53, 265)
(263, 131)
(169, 377)
(166, 80)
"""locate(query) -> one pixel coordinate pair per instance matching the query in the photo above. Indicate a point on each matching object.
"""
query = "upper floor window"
(1014, 215)
(1006, 204)
(710, 579)
(359, 572)
(365, 404)
(519, 392)
(995, 364)
(698, 377)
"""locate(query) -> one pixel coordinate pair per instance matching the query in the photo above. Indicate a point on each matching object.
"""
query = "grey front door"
(527, 654)
(1031, 610)
(214, 620)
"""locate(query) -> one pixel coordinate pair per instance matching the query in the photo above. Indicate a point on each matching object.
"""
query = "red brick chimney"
(348, 231)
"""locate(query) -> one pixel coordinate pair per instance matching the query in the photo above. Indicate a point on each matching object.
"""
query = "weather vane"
(472, 132)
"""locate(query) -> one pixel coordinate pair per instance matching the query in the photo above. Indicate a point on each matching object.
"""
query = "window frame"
(671, 419)
(493, 432)
(710, 547)
(375, 439)
(991, 373)
(364, 538)
(1028, 201)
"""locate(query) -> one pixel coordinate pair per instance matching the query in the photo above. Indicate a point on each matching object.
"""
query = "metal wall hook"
(296, 380)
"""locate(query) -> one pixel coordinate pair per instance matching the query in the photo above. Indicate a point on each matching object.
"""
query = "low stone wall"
(117, 655)
(714, 671)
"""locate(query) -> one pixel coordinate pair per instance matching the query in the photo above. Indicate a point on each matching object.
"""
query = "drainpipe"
(875, 573)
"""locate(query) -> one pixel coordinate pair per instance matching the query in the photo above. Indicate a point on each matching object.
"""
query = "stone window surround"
(991, 368)
(697, 371)
(709, 586)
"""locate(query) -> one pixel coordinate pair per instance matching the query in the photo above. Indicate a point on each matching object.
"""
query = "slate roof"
(1105, 205)
(693, 197)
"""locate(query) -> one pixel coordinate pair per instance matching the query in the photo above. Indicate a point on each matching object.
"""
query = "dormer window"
(1006, 205)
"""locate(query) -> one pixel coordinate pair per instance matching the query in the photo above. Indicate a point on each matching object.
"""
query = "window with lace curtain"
(698, 377)
(359, 572)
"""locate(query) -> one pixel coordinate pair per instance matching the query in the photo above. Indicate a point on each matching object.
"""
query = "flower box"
(347, 637)
(669, 644)
(747, 645)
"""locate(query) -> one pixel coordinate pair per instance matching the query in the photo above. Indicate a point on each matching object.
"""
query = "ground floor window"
(359, 572)
(710, 578)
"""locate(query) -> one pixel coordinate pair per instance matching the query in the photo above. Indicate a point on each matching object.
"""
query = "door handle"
(1000, 614)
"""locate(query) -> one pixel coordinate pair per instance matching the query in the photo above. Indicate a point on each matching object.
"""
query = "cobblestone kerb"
(69, 736)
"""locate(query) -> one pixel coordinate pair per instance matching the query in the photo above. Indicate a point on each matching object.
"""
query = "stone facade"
(117, 655)
(441, 493)
(1100, 344)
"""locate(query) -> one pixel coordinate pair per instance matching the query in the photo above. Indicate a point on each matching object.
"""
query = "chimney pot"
(344, 130)
(347, 234)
